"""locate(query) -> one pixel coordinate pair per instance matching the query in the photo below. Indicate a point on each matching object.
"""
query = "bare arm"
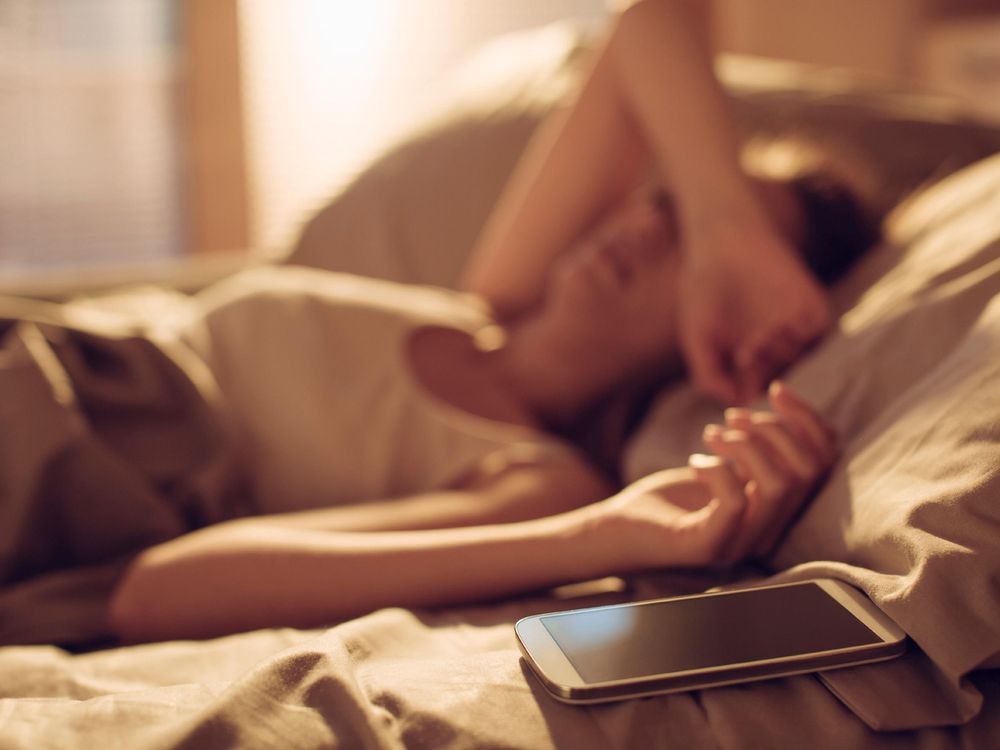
(255, 573)
(309, 567)
(650, 96)
(247, 575)
(519, 492)
(252, 573)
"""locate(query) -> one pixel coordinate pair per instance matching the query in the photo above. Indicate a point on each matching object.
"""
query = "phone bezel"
(557, 674)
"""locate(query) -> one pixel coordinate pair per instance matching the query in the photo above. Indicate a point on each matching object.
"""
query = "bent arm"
(651, 96)
(254, 573)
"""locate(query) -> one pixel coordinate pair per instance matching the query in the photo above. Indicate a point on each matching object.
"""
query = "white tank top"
(325, 407)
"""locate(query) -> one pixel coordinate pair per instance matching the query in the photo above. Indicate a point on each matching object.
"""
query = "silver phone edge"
(871, 654)
(566, 695)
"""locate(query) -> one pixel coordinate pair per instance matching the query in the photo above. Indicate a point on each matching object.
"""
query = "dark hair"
(835, 191)
(838, 228)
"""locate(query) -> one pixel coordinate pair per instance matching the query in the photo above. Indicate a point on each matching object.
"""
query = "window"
(89, 143)
(148, 130)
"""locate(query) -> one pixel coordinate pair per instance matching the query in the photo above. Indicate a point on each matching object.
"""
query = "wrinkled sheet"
(113, 437)
(398, 678)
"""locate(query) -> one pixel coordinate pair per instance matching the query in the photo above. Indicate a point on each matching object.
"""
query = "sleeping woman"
(400, 444)
(404, 445)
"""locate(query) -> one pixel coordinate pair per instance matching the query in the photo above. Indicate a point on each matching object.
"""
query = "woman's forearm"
(580, 162)
(247, 574)
(663, 58)
(651, 97)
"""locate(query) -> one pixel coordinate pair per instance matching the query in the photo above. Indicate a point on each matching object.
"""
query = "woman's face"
(614, 293)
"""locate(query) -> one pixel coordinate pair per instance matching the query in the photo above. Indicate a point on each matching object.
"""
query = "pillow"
(893, 139)
(415, 212)
(910, 379)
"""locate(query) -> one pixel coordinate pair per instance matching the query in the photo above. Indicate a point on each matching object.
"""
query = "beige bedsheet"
(399, 679)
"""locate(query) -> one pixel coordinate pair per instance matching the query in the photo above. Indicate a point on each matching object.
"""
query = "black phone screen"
(619, 643)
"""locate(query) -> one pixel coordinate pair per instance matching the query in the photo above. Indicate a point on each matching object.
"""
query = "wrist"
(599, 541)
(606, 536)
(724, 226)
(745, 244)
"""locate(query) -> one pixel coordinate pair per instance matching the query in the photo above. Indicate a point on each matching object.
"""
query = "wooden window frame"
(214, 187)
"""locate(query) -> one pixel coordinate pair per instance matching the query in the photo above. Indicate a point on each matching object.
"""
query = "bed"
(910, 378)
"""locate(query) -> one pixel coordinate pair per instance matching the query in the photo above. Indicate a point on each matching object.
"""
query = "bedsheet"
(399, 678)
(112, 438)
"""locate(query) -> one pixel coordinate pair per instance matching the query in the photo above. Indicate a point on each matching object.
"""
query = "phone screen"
(619, 643)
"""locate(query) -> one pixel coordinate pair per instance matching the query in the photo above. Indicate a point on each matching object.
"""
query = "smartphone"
(706, 640)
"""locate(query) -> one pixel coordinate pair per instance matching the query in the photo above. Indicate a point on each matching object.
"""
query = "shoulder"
(277, 284)
(277, 288)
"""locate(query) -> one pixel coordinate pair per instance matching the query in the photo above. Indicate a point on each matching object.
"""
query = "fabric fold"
(110, 442)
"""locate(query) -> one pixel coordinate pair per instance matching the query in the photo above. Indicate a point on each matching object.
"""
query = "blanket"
(408, 679)
(111, 440)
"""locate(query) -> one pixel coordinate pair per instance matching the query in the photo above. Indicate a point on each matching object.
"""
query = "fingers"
(779, 456)
(762, 358)
(752, 459)
(782, 347)
(808, 424)
(750, 380)
(772, 496)
(808, 429)
(721, 518)
(709, 369)
(785, 446)
(720, 478)
(771, 352)
(775, 346)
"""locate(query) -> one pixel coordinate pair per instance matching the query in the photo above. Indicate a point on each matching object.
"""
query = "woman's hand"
(730, 506)
(682, 517)
(748, 308)
(779, 457)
